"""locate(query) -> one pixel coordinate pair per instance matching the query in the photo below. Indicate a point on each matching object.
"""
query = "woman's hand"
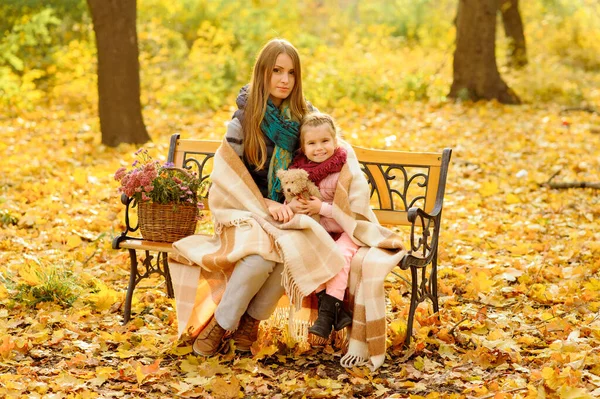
(294, 205)
(310, 207)
(280, 212)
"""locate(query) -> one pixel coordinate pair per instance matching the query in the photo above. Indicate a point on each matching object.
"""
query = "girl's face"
(282, 79)
(319, 143)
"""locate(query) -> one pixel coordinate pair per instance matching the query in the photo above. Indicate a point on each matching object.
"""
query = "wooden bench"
(407, 189)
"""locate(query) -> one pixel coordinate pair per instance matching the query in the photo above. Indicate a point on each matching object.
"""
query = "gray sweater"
(235, 138)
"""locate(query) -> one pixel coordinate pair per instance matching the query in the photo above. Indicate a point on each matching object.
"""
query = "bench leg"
(414, 301)
(132, 282)
(433, 288)
(167, 274)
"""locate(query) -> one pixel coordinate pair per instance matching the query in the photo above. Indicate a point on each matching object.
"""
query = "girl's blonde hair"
(315, 119)
(255, 148)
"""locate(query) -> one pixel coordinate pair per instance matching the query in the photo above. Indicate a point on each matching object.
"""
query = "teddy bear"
(295, 183)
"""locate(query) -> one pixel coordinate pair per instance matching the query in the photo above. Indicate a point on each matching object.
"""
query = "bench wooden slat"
(432, 188)
(204, 146)
(397, 157)
(145, 245)
(385, 199)
(392, 217)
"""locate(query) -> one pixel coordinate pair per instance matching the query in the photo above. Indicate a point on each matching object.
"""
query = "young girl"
(323, 159)
(264, 133)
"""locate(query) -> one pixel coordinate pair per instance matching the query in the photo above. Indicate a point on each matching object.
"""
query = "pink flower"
(120, 173)
(147, 180)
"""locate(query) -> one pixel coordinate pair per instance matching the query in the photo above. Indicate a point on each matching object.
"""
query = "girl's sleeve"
(235, 136)
(326, 209)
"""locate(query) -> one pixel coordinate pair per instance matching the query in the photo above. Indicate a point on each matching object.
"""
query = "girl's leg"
(247, 279)
(332, 316)
(336, 287)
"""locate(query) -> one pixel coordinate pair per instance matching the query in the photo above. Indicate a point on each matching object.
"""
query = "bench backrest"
(398, 180)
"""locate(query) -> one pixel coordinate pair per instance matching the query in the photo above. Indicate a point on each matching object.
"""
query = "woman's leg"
(265, 301)
(248, 277)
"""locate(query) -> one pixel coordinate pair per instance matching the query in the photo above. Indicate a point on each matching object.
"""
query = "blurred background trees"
(513, 29)
(197, 53)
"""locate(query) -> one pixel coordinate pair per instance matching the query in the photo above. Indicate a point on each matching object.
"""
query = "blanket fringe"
(297, 328)
(292, 289)
(240, 222)
(348, 361)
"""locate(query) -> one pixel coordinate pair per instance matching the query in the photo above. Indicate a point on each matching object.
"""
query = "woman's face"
(282, 79)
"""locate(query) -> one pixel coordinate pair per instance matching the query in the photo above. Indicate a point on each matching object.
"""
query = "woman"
(264, 134)
(260, 248)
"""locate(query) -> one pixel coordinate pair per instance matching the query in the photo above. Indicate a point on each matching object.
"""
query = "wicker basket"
(166, 223)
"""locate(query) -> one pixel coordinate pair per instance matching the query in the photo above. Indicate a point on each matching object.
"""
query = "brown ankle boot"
(209, 340)
(246, 333)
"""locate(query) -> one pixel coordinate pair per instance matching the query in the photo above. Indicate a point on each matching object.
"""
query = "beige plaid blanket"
(243, 226)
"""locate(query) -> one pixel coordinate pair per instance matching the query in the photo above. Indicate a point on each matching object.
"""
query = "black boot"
(343, 318)
(319, 295)
(327, 312)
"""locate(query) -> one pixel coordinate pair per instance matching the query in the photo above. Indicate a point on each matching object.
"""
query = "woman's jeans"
(254, 287)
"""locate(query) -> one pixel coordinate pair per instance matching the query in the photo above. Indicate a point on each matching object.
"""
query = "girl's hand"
(311, 206)
(280, 212)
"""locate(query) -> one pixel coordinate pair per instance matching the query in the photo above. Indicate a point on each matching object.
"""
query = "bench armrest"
(125, 200)
(424, 236)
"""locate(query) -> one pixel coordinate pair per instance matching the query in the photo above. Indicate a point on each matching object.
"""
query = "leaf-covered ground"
(519, 275)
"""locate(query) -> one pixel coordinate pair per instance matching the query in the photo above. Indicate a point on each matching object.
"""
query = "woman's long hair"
(255, 148)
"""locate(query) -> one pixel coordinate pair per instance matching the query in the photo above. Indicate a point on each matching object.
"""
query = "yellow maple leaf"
(519, 249)
(103, 374)
(488, 189)
(3, 292)
(419, 363)
(482, 282)
(143, 371)
(552, 378)
(181, 350)
(6, 347)
(73, 241)
(30, 275)
(265, 351)
(512, 199)
(226, 390)
(104, 298)
(80, 177)
(567, 392)
(396, 299)
(496, 334)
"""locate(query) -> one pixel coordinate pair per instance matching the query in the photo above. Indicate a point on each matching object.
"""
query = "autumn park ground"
(519, 266)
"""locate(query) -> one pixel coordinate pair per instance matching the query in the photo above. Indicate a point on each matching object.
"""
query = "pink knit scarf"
(319, 171)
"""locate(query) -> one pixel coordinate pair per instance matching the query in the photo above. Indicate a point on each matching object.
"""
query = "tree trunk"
(118, 72)
(513, 28)
(476, 75)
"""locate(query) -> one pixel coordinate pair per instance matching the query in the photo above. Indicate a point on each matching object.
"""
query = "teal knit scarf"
(284, 132)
